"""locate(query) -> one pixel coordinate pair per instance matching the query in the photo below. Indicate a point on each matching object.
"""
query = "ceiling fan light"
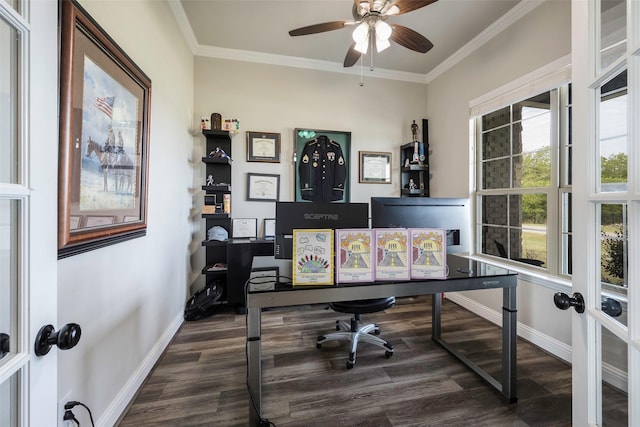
(361, 33)
(362, 46)
(383, 31)
(393, 10)
(382, 44)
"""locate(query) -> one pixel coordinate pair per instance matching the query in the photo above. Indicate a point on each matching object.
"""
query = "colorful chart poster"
(428, 253)
(354, 260)
(313, 257)
(392, 254)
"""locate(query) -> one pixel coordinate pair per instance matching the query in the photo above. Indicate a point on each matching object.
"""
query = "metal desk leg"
(254, 364)
(509, 341)
(436, 312)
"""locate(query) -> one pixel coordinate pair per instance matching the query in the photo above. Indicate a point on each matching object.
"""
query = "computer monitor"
(426, 212)
(294, 215)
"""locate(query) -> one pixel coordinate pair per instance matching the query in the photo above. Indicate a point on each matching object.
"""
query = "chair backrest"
(501, 250)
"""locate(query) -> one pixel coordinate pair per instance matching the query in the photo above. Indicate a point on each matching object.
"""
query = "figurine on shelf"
(219, 153)
(210, 180)
(414, 131)
(216, 121)
(412, 185)
(406, 162)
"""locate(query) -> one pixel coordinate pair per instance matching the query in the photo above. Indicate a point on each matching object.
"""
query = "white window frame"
(555, 75)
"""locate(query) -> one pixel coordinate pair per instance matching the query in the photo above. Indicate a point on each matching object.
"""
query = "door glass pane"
(615, 399)
(8, 276)
(566, 233)
(613, 31)
(9, 42)
(613, 134)
(614, 260)
(9, 401)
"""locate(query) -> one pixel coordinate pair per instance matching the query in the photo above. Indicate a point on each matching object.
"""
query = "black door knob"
(612, 307)
(564, 301)
(67, 337)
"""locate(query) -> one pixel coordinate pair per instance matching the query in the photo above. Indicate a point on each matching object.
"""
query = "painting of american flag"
(105, 105)
(104, 126)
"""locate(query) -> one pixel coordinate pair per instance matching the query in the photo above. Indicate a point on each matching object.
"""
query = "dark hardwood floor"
(201, 378)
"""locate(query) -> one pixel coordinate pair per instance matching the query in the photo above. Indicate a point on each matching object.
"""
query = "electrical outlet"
(61, 403)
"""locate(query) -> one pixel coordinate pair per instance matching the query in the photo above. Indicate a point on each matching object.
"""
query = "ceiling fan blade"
(352, 56)
(319, 28)
(406, 6)
(410, 39)
(359, 3)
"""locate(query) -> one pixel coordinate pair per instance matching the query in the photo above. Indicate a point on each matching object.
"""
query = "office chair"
(353, 331)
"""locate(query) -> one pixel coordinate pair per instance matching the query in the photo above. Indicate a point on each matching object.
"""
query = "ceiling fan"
(369, 18)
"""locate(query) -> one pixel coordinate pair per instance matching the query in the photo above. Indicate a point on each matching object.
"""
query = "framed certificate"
(244, 227)
(269, 228)
(354, 259)
(312, 257)
(263, 187)
(263, 147)
(375, 167)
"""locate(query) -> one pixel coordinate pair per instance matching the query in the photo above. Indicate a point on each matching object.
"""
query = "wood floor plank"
(201, 378)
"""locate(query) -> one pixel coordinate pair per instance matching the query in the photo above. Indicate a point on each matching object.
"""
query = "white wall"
(128, 298)
(269, 98)
(539, 38)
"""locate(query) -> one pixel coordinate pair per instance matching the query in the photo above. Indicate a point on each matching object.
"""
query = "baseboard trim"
(545, 342)
(121, 402)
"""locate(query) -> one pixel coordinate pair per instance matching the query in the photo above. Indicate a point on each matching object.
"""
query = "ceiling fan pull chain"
(361, 72)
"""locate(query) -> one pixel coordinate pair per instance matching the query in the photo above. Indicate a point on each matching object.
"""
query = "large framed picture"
(263, 187)
(322, 165)
(374, 167)
(104, 138)
(263, 147)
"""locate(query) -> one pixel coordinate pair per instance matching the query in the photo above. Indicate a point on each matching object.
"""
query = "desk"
(464, 275)
(240, 253)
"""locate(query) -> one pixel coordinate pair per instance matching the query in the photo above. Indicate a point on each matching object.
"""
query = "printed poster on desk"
(392, 254)
(428, 253)
(354, 260)
(312, 257)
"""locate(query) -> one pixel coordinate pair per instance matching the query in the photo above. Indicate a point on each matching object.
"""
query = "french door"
(28, 176)
(606, 202)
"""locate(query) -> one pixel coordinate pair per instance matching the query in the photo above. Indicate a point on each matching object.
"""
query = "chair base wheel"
(350, 365)
(388, 354)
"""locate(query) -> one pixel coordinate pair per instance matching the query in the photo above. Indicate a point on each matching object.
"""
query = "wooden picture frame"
(263, 187)
(338, 159)
(374, 167)
(104, 137)
(263, 147)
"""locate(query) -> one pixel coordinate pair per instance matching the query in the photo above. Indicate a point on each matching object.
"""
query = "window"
(523, 182)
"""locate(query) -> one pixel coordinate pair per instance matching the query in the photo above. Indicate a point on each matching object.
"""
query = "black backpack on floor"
(204, 302)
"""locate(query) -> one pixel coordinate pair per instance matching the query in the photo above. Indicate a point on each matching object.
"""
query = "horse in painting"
(117, 164)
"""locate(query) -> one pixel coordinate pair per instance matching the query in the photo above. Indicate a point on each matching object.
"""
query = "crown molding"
(506, 20)
(311, 64)
(183, 24)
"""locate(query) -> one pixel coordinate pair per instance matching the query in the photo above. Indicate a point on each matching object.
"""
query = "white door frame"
(36, 193)
(587, 327)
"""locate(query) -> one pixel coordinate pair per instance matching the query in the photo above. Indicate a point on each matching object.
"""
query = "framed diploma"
(244, 227)
(375, 167)
(263, 147)
(263, 187)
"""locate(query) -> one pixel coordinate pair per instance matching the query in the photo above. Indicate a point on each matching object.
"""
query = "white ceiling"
(257, 30)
